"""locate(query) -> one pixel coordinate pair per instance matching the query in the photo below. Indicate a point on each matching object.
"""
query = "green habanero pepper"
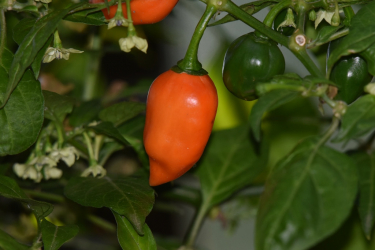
(251, 59)
(350, 74)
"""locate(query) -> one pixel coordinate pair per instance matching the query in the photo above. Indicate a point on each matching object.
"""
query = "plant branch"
(198, 220)
(45, 196)
(268, 20)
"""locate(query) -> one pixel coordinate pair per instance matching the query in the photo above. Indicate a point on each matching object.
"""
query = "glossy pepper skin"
(180, 113)
(143, 11)
(249, 60)
(286, 31)
(350, 74)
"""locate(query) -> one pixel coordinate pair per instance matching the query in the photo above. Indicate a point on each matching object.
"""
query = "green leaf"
(37, 63)
(361, 35)
(22, 28)
(127, 196)
(323, 36)
(268, 102)
(6, 60)
(369, 55)
(54, 237)
(249, 8)
(224, 170)
(358, 119)
(307, 196)
(10, 189)
(87, 17)
(107, 128)
(85, 113)
(366, 168)
(9, 243)
(121, 112)
(30, 46)
(57, 106)
(22, 118)
(129, 239)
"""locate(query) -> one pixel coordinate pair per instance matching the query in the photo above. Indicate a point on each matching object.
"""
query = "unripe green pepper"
(350, 74)
(249, 60)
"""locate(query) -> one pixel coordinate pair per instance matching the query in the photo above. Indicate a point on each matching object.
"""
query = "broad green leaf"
(121, 112)
(224, 170)
(308, 86)
(54, 237)
(358, 120)
(268, 102)
(127, 196)
(37, 63)
(249, 8)
(57, 106)
(366, 169)
(369, 55)
(10, 189)
(107, 128)
(129, 239)
(30, 46)
(307, 196)
(22, 28)
(6, 59)
(85, 113)
(324, 34)
(87, 17)
(361, 35)
(22, 118)
(7, 242)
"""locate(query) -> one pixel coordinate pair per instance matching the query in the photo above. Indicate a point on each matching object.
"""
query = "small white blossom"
(94, 170)
(52, 173)
(67, 154)
(370, 88)
(27, 171)
(58, 53)
(322, 14)
(126, 44)
(118, 22)
(43, 161)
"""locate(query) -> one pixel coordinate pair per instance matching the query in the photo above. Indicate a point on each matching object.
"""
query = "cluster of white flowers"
(44, 166)
(126, 44)
(58, 53)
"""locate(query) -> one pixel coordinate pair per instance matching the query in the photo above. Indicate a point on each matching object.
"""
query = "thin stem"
(89, 148)
(198, 220)
(328, 100)
(131, 28)
(98, 144)
(3, 34)
(335, 123)
(268, 20)
(101, 223)
(308, 62)
(190, 61)
(334, 36)
(60, 134)
(45, 196)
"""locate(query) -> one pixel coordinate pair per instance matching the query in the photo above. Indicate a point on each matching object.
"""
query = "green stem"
(301, 19)
(198, 220)
(335, 36)
(98, 144)
(240, 14)
(90, 149)
(190, 62)
(335, 123)
(56, 40)
(268, 20)
(3, 34)
(328, 100)
(60, 134)
(45, 196)
(92, 68)
(308, 62)
(131, 28)
(101, 223)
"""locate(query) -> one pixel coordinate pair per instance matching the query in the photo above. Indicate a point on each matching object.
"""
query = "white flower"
(43, 1)
(52, 173)
(67, 154)
(43, 161)
(370, 88)
(94, 170)
(116, 21)
(58, 53)
(26, 171)
(126, 44)
(322, 14)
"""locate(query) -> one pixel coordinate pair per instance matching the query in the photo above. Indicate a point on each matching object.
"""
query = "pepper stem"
(268, 20)
(131, 28)
(190, 62)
